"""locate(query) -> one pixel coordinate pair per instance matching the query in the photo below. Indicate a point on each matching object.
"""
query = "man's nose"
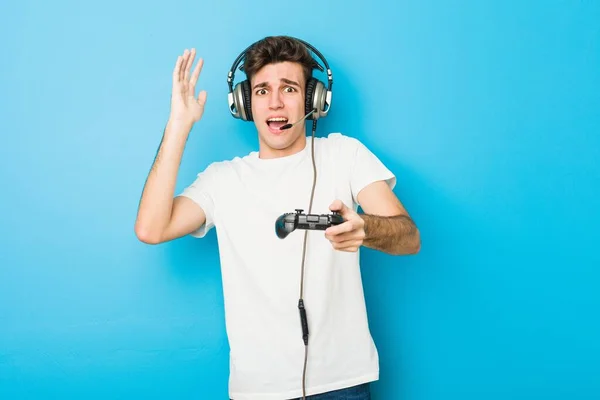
(275, 101)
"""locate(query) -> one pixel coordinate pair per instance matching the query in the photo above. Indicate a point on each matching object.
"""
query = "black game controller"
(289, 222)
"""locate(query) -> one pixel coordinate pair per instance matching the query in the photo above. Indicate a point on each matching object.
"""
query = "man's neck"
(266, 152)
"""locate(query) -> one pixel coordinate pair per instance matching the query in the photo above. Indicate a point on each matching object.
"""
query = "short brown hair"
(274, 49)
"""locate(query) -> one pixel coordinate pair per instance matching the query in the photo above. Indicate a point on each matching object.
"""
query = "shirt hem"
(309, 390)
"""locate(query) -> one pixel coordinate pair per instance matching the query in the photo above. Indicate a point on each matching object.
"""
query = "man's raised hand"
(186, 108)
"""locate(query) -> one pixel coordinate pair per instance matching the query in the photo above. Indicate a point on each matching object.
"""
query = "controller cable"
(303, 319)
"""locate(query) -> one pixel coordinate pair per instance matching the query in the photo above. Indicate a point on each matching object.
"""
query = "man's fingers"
(183, 65)
(177, 69)
(202, 98)
(188, 65)
(195, 75)
(339, 238)
(347, 245)
(337, 229)
(356, 234)
(337, 205)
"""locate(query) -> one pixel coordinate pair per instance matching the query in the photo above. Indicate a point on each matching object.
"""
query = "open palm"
(185, 107)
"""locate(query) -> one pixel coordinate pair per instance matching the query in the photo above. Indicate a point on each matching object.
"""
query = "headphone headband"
(235, 100)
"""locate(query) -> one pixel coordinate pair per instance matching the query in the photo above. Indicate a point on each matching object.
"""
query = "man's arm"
(388, 226)
(396, 234)
(161, 217)
(385, 226)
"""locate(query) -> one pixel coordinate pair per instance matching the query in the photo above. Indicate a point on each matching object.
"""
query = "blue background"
(488, 112)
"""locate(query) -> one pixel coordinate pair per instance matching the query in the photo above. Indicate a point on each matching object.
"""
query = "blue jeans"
(360, 392)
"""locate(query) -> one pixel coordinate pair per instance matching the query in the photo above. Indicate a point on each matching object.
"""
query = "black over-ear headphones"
(317, 97)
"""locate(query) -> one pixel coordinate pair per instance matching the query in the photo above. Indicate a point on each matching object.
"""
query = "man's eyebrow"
(262, 84)
(289, 82)
(284, 80)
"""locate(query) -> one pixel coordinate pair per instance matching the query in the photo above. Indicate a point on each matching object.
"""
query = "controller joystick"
(289, 222)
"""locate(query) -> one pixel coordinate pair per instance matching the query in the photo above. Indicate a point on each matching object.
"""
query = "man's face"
(278, 99)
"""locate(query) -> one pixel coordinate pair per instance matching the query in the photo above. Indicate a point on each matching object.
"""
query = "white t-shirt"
(242, 198)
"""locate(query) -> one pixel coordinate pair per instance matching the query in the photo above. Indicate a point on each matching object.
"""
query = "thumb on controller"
(338, 206)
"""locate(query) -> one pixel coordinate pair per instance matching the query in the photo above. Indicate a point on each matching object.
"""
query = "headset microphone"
(288, 126)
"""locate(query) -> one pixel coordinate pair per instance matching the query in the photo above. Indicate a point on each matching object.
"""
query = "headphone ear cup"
(309, 101)
(247, 99)
(238, 106)
(315, 98)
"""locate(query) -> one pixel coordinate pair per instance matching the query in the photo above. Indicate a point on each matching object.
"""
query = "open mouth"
(277, 122)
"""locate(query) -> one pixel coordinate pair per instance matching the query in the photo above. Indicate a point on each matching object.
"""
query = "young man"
(263, 274)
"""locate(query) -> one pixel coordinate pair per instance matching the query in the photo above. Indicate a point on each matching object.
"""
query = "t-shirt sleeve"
(366, 168)
(202, 192)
